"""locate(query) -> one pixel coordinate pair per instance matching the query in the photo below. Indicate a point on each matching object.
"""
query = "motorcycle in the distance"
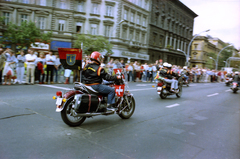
(163, 88)
(235, 87)
(84, 102)
(228, 81)
(185, 82)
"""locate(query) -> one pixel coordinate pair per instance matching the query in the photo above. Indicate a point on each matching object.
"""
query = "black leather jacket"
(93, 74)
(166, 73)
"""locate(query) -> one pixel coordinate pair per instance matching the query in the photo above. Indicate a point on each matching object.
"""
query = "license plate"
(59, 101)
(159, 88)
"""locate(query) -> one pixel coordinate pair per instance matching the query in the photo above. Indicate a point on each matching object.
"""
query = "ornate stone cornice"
(96, 1)
(24, 10)
(6, 8)
(108, 22)
(94, 20)
(61, 15)
(110, 3)
(79, 17)
(42, 12)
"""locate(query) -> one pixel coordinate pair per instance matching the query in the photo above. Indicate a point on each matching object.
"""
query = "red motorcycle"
(84, 102)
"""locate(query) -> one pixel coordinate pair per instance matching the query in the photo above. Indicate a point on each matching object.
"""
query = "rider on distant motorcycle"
(167, 72)
(94, 75)
(186, 73)
(236, 78)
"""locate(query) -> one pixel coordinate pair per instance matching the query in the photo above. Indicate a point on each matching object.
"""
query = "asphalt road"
(203, 124)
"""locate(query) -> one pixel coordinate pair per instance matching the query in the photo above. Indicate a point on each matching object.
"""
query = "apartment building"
(170, 28)
(123, 22)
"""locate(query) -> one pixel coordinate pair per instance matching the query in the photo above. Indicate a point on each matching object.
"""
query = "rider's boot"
(111, 107)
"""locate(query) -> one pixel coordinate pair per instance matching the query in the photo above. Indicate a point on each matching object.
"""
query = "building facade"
(170, 28)
(123, 22)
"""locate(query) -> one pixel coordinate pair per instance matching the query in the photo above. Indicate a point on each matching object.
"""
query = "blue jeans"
(106, 90)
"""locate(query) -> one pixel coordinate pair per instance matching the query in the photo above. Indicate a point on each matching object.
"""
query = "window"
(43, 2)
(144, 21)
(131, 35)
(138, 19)
(124, 33)
(195, 46)
(79, 26)
(132, 17)
(143, 38)
(95, 8)
(107, 30)
(80, 6)
(146, 4)
(61, 25)
(94, 29)
(125, 14)
(108, 10)
(62, 4)
(25, 1)
(137, 36)
(6, 16)
(41, 22)
(24, 17)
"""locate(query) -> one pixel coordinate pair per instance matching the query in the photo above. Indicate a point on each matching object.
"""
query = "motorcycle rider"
(169, 74)
(236, 78)
(185, 71)
(94, 75)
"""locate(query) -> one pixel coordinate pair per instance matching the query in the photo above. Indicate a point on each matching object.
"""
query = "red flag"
(119, 90)
(70, 58)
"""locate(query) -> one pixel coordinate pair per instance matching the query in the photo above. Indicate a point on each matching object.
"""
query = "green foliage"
(93, 43)
(25, 34)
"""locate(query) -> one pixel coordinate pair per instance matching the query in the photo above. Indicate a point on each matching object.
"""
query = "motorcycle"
(163, 88)
(228, 81)
(184, 82)
(84, 102)
(235, 86)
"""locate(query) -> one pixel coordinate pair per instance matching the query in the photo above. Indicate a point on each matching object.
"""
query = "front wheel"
(67, 117)
(163, 94)
(127, 112)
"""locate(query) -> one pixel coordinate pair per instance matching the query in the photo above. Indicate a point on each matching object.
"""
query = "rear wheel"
(129, 110)
(163, 95)
(179, 94)
(67, 117)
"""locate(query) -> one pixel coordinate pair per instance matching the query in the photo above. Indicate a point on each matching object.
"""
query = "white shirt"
(50, 60)
(145, 67)
(31, 57)
(57, 62)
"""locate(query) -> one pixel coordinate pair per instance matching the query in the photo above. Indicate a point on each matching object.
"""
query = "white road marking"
(140, 89)
(228, 90)
(174, 105)
(210, 95)
(51, 86)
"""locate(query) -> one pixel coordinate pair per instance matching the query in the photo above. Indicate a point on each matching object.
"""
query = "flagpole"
(81, 63)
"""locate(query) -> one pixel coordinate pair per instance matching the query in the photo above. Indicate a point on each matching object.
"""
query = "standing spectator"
(50, 61)
(130, 69)
(30, 60)
(2, 60)
(110, 67)
(67, 74)
(145, 68)
(20, 67)
(123, 64)
(154, 69)
(135, 71)
(8, 71)
(58, 69)
(41, 61)
(150, 73)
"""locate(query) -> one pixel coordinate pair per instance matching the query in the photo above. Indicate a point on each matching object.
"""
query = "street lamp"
(215, 62)
(219, 54)
(225, 63)
(188, 51)
(183, 53)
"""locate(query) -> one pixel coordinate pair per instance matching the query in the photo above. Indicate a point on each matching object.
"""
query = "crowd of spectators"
(43, 68)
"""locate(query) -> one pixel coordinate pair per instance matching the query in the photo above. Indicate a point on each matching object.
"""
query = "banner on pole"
(70, 58)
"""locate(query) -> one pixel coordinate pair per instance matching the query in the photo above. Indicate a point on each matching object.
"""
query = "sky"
(222, 17)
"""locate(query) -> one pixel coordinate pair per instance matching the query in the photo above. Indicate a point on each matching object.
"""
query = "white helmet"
(236, 73)
(184, 67)
(165, 64)
(169, 65)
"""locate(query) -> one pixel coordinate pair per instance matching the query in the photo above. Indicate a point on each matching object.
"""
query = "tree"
(24, 35)
(93, 43)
